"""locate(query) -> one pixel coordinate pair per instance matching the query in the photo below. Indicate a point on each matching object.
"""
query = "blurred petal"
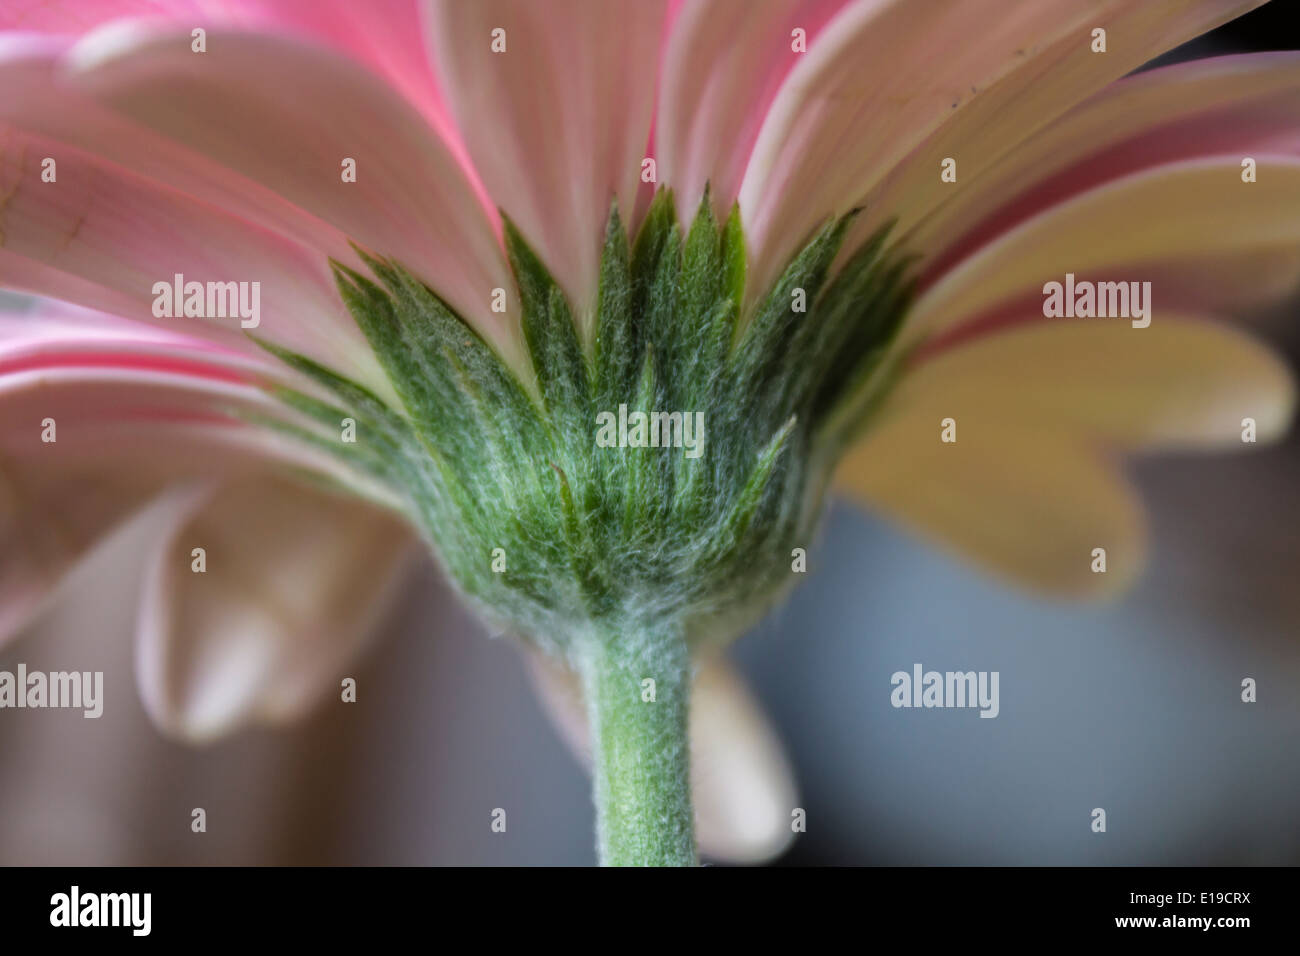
(77, 16)
(296, 581)
(134, 410)
(101, 237)
(383, 34)
(49, 107)
(1193, 209)
(1028, 504)
(987, 131)
(890, 74)
(743, 785)
(47, 525)
(558, 123)
(1182, 382)
(1224, 282)
(723, 63)
(885, 74)
(1218, 282)
(286, 115)
(1228, 106)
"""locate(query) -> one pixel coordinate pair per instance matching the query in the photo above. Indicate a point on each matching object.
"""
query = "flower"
(918, 172)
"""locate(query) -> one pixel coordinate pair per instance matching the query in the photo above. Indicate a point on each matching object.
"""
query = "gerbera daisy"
(598, 300)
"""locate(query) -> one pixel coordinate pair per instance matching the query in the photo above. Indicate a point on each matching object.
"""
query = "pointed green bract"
(617, 345)
(550, 528)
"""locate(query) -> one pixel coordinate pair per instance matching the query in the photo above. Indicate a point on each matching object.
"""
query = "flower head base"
(553, 529)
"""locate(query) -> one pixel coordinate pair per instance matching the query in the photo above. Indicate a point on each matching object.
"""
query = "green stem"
(641, 754)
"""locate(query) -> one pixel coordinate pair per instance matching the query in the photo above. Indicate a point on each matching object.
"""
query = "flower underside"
(552, 529)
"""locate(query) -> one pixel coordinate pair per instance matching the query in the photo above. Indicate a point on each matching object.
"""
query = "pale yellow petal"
(884, 75)
(994, 129)
(1190, 209)
(1202, 107)
(889, 74)
(1182, 382)
(1028, 505)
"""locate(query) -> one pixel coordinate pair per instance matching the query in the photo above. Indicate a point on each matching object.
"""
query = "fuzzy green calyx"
(548, 508)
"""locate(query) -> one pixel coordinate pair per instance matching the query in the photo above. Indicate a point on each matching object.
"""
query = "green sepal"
(617, 344)
(549, 330)
(594, 536)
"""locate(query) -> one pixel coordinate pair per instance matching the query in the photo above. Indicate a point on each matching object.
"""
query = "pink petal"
(888, 75)
(986, 133)
(286, 115)
(558, 124)
(1227, 106)
(385, 35)
(48, 106)
(78, 16)
(722, 65)
(296, 582)
(134, 411)
(1189, 210)
(101, 237)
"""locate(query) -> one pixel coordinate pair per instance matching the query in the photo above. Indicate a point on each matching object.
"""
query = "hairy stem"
(640, 746)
